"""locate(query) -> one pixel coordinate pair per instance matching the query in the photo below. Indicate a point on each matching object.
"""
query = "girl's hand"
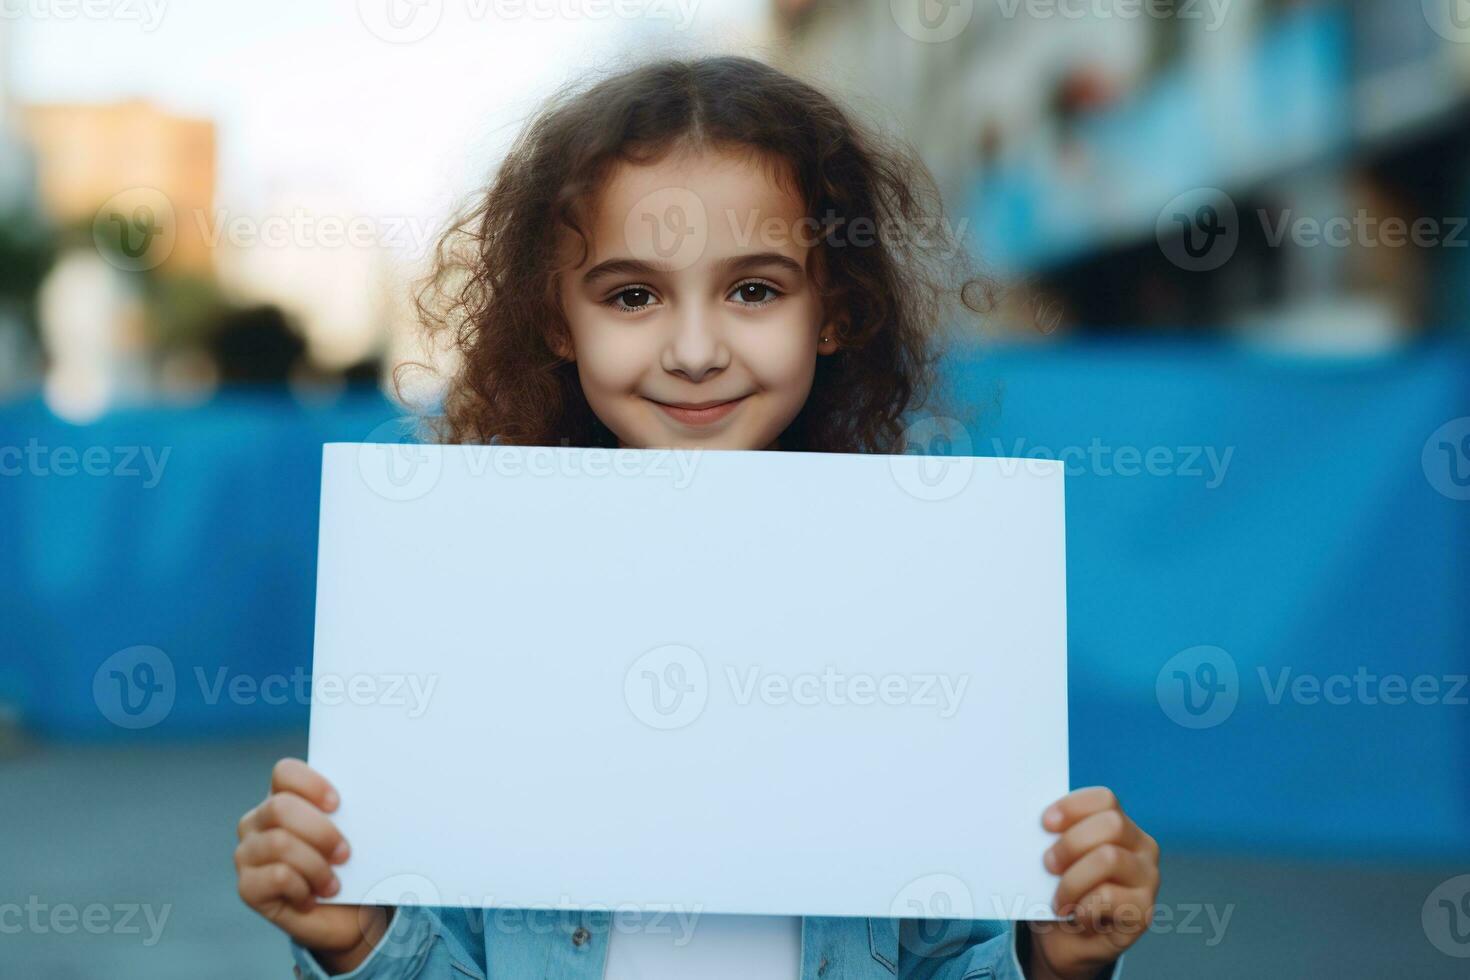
(287, 848)
(1110, 879)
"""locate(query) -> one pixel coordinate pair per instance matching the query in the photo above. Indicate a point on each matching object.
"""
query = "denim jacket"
(425, 943)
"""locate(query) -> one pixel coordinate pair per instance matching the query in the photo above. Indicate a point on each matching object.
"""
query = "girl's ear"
(561, 346)
(827, 339)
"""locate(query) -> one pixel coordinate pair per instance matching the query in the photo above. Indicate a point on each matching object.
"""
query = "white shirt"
(711, 947)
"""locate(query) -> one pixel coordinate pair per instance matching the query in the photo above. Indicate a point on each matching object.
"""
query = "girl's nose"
(695, 350)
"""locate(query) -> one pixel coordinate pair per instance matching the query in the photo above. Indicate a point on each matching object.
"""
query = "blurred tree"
(184, 311)
(181, 309)
(27, 249)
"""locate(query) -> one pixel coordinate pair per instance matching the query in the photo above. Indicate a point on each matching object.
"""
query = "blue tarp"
(1286, 515)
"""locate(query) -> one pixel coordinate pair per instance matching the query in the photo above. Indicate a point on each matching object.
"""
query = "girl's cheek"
(614, 359)
(783, 358)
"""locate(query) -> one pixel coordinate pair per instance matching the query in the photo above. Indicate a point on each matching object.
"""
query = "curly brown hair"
(492, 296)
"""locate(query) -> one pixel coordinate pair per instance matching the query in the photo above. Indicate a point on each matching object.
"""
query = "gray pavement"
(139, 838)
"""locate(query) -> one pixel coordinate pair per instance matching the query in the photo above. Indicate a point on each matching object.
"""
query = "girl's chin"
(712, 440)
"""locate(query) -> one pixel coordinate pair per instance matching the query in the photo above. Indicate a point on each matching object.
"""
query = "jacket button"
(580, 937)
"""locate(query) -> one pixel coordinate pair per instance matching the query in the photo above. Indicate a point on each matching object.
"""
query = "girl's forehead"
(723, 197)
(743, 169)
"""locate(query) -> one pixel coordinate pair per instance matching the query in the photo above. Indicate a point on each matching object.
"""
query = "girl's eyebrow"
(727, 266)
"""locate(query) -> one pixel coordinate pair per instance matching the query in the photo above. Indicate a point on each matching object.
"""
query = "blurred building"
(90, 155)
(14, 165)
(17, 211)
(1097, 156)
(17, 165)
(332, 265)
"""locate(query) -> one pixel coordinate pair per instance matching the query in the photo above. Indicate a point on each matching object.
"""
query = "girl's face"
(694, 320)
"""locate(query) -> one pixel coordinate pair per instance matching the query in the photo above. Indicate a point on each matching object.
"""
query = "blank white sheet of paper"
(727, 682)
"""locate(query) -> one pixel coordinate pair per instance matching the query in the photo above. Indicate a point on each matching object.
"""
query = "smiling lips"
(707, 413)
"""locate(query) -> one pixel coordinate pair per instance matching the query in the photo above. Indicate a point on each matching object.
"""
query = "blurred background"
(1235, 236)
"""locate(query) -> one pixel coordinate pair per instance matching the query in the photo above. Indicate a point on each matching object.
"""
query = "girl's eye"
(632, 298)
(753, 293)
(756, 293)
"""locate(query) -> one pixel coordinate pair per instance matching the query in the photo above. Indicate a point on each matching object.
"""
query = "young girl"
(694, 254)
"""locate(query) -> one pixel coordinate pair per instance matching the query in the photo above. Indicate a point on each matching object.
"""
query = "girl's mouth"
(706, 413)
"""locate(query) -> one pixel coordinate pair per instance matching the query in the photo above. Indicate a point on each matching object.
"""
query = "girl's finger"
(295, 776)
(1104, 827)
(263, 886)
(280, 845)
(1076, 805)
(301, 817)
(1114, 908)
(1108, 864)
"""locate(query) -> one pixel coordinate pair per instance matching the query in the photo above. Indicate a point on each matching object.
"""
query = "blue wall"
(1325, 549)
(1321, 545)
